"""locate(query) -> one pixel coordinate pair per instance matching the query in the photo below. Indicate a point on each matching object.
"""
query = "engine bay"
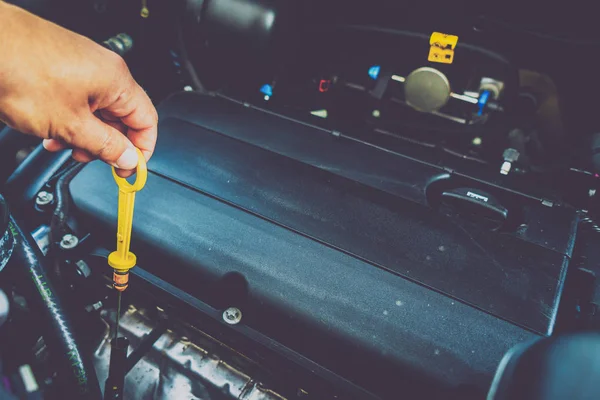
(363, 201)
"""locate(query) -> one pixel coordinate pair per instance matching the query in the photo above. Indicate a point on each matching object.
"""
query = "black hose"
(76, 373)
(31, 176)
(61, 212)
(3, 215)
(6, 239)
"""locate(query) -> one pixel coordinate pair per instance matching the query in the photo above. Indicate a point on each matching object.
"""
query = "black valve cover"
(349, 253)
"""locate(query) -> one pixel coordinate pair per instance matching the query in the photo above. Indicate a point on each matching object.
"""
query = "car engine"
(374, 200)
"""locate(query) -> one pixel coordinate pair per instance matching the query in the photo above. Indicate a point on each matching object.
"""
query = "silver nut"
(69, 242)
(494, 86)
(44, 198)
(511, 155)
(232, 315)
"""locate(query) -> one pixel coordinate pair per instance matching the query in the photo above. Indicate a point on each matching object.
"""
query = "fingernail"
(128, 160)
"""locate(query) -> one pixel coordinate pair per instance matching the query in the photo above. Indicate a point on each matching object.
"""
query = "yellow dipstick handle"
(122, 260)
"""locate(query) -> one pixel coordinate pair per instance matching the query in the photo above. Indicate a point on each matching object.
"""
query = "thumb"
(104, 142)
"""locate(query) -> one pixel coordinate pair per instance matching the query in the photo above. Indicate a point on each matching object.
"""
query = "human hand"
(72, 92)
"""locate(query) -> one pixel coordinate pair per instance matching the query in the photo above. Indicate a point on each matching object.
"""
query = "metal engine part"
(175, 368)
(427, 89)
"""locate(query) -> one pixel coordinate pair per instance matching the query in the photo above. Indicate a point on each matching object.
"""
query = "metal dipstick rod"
(122, 260)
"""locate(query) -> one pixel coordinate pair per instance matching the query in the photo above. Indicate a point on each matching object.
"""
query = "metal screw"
(44, 198)
(69, 242)
(510, 156)
(505, 168)
(232, 316)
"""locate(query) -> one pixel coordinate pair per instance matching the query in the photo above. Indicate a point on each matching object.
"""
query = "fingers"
(96, 139)
(102, 136)
(136, 111)
(82, 156)
(112, 131)
(54, 145)
(118, 125)
(108, 116)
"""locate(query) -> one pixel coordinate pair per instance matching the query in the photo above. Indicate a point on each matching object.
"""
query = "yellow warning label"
(442, 47)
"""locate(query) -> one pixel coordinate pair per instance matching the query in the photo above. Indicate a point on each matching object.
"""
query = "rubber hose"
(76, 372)
(3, 215)
(6, 239)
(61, 212)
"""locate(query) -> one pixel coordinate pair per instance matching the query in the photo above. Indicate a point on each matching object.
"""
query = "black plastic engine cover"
(347, 257)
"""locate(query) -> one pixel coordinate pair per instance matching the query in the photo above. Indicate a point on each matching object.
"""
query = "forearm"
(17, 28)
(26, 42)
(72, 92)
(11, 28)
(42, 70)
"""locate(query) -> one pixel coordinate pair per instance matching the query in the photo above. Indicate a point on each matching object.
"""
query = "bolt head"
(232, 316)
(69, 242)
(510, 155)
(44, 198)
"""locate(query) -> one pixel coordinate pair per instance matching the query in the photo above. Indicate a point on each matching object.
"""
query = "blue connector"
(267, 90)
(483, 99)
(374, 71)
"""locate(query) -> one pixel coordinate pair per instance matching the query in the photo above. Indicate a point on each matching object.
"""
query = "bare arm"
(71, 92)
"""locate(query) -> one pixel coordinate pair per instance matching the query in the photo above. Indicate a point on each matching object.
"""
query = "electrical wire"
(186, 63)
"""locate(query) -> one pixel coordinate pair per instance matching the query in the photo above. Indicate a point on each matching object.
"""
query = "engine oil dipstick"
(122, 260)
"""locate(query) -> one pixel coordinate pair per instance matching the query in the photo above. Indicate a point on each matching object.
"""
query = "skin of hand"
(72, 92)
